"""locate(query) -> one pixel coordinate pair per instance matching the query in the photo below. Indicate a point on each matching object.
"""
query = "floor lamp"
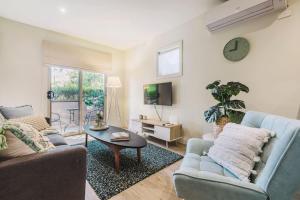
(113, 83)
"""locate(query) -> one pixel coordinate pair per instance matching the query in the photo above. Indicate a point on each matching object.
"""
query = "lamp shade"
(113, 82)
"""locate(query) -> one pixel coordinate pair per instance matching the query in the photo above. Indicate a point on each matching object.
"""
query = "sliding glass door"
(76, 97)
(93, 95)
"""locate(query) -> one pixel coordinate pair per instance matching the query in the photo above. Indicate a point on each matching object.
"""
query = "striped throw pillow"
(38, 122)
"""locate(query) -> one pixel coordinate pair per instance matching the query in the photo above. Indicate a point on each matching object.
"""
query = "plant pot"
(219, 125)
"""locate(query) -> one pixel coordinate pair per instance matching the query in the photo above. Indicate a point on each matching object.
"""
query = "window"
(169, 61)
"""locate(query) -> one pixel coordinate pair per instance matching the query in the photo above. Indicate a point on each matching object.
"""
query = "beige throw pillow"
(38, 122)
(238, 148)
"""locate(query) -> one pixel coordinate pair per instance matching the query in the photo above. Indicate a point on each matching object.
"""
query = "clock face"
(236, 49)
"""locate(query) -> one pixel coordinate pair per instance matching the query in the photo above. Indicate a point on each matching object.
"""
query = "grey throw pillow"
(16, 112)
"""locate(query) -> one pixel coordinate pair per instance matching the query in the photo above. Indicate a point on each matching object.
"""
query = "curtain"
(76, 56)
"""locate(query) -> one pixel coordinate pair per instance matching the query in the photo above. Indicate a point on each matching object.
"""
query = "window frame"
(168, 48)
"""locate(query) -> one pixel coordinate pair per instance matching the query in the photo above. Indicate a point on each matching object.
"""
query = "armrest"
(191, 184)
(59, 174)
(198, 146)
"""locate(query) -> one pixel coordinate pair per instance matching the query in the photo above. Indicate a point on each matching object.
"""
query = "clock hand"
(235, 47)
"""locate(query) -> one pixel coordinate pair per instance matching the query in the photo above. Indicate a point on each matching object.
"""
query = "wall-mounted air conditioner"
(235, 11)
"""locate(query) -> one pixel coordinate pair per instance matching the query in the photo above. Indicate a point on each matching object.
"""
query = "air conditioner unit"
(235, 11)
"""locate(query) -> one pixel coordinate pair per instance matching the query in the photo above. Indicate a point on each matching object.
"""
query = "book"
(119, 136)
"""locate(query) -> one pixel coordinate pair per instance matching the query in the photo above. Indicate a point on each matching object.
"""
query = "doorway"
(76, 97)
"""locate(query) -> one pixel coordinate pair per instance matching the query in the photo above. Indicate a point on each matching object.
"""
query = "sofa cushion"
(57, 139)
(204, 163)
(38, 122)
(16, 112)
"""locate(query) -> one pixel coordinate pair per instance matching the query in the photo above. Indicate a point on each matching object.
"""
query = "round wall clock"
(236, 49)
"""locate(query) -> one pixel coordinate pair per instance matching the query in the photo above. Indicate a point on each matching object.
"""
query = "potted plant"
(227, 109)
(100, 118)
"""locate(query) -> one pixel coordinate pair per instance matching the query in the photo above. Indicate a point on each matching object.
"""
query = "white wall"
(271, 70)
(23, 78)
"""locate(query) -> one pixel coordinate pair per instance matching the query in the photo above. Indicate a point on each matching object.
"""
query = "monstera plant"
(227, 109)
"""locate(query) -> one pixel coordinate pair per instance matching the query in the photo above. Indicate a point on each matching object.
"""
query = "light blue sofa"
(200, 178)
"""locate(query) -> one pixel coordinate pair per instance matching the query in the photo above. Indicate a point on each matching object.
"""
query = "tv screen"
(158, 94)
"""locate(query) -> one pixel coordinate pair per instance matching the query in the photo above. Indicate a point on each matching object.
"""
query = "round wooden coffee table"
(136, 142)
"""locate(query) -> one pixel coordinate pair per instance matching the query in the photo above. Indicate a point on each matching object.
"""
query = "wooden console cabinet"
(157, 129)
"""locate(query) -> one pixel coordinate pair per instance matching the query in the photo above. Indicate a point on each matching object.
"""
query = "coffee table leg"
(138, 151)
(117, 160)
(86, 140)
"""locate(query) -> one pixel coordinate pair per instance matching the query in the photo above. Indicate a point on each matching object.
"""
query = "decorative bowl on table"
(100, 124)
(99, 128)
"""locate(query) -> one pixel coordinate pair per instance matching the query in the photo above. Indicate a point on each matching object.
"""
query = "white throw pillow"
(238, 147)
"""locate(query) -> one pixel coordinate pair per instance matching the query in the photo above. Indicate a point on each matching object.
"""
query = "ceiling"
(120, 24)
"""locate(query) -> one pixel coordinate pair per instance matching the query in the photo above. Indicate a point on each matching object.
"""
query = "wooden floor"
(159, 186)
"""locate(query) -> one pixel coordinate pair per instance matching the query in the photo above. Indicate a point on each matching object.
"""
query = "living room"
(91, 65)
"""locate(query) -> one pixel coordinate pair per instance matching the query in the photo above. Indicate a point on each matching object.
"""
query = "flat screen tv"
(158, 94)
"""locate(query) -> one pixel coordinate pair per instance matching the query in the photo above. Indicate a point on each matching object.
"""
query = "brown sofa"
(58, 174)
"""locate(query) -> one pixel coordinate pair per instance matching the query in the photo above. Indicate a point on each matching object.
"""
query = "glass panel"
(93, 85)
(65, 106)
(169, 62)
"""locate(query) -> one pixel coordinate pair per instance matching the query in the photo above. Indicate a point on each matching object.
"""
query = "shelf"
(157, 129)
(148, 133)
(148, 128)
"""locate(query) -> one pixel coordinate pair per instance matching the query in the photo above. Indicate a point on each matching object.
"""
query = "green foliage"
(92, 86)
(93, 97)
(226, 106)
(93, 89)
(66, 93)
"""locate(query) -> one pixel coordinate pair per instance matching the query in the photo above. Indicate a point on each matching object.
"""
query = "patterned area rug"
(101, 173)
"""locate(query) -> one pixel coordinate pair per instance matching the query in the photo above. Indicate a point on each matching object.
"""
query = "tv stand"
(157, 129)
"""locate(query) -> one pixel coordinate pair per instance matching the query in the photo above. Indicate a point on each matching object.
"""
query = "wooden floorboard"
(90, 193)
(156, 187)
